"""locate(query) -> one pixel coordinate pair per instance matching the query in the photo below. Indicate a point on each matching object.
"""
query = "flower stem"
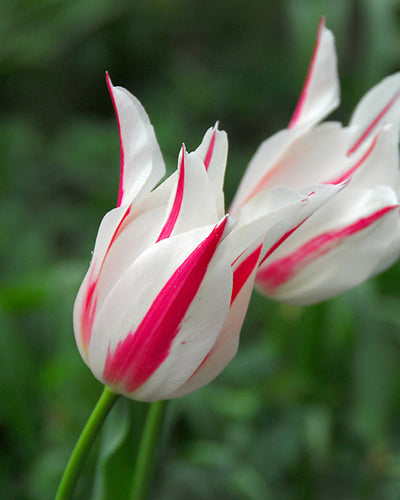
(147, 450)
(85, 441)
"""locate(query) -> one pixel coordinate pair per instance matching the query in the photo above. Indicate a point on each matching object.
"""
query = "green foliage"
(309, 407)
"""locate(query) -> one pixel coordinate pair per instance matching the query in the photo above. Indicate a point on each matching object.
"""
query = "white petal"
(225, 346)
(274, 213)
(191, 203)
(263, 162)
(380, 163)
(320, 93)
(142, 165)
(336, 248)
(131, 298)
(380, 105)
(200, 330)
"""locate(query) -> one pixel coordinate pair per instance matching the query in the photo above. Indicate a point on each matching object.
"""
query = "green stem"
(85, 441)
(147, 450)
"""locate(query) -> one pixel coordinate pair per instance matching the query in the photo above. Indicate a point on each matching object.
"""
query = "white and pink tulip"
(357, 233)
(159, 312)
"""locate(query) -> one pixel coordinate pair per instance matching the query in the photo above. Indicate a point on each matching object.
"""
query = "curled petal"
(142, 165)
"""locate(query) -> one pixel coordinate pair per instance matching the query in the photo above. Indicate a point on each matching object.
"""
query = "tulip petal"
(320, 93)
(312, 266)
(151, 316)
(214, 151)
(225, 346)
(192, 203)
(263, 162)
(142, 164)
(380, 105)
(380, 162)
(274, 214)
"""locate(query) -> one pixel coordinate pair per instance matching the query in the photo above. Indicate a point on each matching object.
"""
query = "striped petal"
(320, 93)
(151, 319)
(226, 345)
(327, 255)
(142, 165)
(265, 159)
(192, 203)
(379, 106)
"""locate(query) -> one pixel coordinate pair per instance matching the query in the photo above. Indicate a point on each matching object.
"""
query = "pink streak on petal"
(303, 95)
(117, 231)
(176, 207)
(210, 151)
(89, 309)
(121, 181)
(279, 242)
(373, 124)
(282, 270)
(243, 271)
(90, 297)
(346, 176)
(139, 355)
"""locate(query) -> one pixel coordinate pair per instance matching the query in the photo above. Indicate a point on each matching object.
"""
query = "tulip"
(356, 234)
(159, 312)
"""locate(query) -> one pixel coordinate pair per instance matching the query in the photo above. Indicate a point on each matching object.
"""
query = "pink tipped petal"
(214, 151)
(380, 105)
(142, 165)
(320, 267)
(320, 93)
(210, 149)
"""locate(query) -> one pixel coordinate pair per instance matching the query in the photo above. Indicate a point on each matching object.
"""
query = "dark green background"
(310, 407)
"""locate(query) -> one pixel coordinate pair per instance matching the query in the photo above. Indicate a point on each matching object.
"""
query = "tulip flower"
(159, 312)
(357, 233)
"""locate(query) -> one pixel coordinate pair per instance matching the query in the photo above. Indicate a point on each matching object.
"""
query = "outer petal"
(122, 236)
(225, 346)
(178, 352)
(142, 165)
(320, 93)
(351, 238)
(380, 105)
(275, 214)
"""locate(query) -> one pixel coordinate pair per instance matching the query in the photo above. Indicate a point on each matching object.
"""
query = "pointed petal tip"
(109, 82)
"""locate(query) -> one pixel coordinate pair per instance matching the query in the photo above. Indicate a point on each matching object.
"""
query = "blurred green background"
(310, 407)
